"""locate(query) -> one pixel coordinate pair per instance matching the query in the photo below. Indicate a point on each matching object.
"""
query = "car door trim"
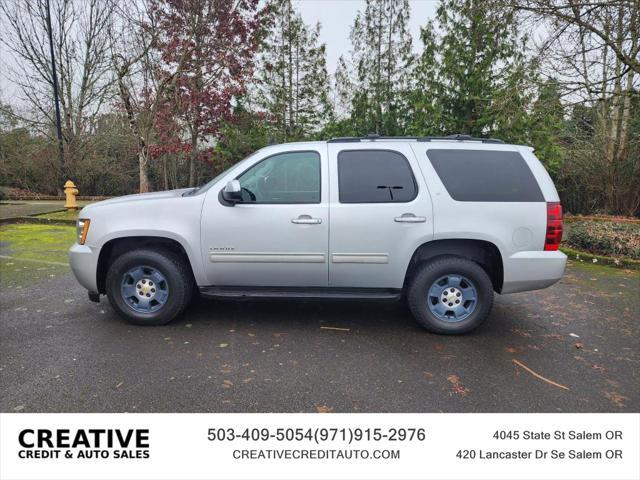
(266, 257)
(376, 258)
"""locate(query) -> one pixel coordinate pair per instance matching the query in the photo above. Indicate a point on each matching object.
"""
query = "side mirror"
(232, 193)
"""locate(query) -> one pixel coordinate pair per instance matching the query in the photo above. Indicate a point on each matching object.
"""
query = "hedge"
(606, 238)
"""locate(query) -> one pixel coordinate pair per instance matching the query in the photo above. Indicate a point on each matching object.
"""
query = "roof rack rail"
(461, 138)
(373, 137)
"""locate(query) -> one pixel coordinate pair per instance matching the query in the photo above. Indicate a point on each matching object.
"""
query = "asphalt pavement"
(574, 347)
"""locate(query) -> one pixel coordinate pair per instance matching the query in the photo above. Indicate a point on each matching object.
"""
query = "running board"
(302, 293)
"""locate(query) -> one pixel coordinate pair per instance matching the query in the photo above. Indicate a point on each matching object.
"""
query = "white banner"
(314, 446)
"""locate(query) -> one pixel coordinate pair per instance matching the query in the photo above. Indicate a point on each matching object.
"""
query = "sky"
(336, 18)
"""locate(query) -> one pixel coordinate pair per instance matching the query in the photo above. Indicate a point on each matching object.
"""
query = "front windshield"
(217, 178)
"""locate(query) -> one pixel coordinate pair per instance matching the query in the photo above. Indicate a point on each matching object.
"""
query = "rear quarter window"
(485, 175)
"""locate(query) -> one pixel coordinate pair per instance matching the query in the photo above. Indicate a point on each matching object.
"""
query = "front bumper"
(524, 271)
(84, 265)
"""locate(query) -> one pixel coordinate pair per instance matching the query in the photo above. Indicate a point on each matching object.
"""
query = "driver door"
(278, 234)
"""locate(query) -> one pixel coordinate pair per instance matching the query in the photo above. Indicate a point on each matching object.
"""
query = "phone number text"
(317, 435)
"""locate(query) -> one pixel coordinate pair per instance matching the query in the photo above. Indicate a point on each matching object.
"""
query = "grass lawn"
(33, 252)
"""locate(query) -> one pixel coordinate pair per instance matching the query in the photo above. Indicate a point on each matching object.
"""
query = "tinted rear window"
(375, 176)
(485, 176)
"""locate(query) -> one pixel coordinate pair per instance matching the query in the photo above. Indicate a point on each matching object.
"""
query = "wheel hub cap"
(452, 298)
(144, 289)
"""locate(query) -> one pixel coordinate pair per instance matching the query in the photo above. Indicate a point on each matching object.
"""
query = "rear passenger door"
(380, 212)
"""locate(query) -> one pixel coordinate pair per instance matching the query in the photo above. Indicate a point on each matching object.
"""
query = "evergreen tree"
(343, 87)
(548, 127)
(471, 77)
(246, 133)
(294, 84)
(382, 60)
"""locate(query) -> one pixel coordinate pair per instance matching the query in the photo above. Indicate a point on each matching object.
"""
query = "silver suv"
(442, 221)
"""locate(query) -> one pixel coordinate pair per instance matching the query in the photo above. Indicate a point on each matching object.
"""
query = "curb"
(45, 198)
(596, 259)
(37, 221)
(595, 218)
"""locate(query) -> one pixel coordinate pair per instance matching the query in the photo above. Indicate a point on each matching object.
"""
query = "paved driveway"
(59, 352)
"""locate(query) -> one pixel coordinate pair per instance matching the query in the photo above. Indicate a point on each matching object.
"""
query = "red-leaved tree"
(214, 42)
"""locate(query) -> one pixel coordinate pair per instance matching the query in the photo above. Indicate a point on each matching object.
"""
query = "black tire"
(431, 271)
(170, 265)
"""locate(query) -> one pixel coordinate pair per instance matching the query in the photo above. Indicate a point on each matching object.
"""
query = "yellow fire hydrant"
(70, 191)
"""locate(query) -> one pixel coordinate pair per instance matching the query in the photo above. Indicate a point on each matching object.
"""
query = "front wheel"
(450, 295)
(149, 287)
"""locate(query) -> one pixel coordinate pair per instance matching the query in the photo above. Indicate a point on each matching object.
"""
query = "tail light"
(554, 226)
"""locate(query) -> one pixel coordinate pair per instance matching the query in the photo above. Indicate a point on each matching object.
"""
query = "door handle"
(410, 218)
(306, 220)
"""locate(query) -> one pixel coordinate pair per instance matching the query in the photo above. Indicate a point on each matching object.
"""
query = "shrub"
(606, 238)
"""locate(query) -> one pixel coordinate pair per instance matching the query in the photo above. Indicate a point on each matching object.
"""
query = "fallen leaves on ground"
(555, 336)
(324, 409)
(617, 399)
(457, 387)
(520, 332)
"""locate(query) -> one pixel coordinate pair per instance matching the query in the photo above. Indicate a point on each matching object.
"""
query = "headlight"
(82, 229)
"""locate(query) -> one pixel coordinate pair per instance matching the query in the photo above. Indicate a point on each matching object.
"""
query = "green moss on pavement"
(33, 252)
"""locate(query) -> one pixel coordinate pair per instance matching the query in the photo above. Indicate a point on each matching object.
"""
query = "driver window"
(283, 178)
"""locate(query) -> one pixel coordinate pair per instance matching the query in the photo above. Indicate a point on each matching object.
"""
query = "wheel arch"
(116, 246)
(484, 253)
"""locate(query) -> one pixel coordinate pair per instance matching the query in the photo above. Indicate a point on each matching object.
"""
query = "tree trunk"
(193, 157)
(164, 173)
(378, 93)
(290, 76)
(143, 152)
(388, 87)
(143, 160)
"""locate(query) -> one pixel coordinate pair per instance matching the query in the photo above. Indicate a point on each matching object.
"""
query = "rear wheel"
(450, 295)
(149, 287)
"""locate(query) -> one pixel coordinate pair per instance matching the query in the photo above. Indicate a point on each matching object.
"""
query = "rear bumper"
(84, 265)
(525, 271)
